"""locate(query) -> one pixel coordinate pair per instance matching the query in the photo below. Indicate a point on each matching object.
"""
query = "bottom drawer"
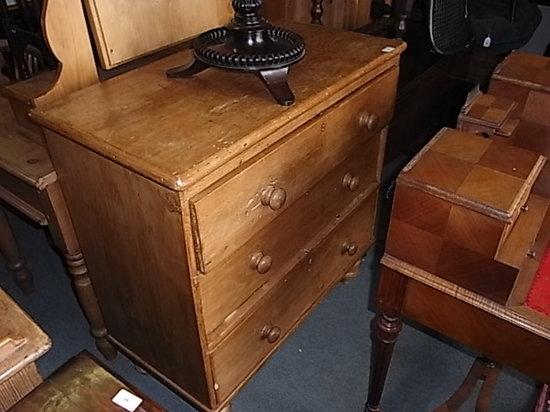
(245, 349)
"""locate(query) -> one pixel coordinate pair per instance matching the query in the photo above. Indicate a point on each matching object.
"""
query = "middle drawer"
(274, 249)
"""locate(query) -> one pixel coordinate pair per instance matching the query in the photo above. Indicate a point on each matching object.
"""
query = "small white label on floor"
(127, 400)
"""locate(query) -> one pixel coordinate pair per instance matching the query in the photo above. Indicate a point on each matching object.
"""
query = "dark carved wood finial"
(317, 12)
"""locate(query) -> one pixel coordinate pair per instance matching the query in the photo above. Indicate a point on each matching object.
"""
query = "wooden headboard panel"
(127, 29)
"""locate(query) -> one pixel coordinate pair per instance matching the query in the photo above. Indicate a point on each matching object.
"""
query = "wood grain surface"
(292, 300)
(159, 178)
(304, 222)
(293, 166)
(123, 32)
(142, 288)
(177, 131)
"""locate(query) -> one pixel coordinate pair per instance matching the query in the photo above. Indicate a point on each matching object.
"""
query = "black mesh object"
(450, 31)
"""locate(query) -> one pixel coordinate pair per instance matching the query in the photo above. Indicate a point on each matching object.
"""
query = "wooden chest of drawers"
(213, 220)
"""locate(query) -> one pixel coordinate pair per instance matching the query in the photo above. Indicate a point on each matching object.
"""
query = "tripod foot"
(277, 83)
(188, 70)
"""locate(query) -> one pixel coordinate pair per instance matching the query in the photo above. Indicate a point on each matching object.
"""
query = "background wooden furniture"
(22, 342)
(525, 79)
(517, 114)
(115, 21)
(28, 181)
(342, 14)
(464, 269)
(213, 221)
(519, 74)
(81, 385)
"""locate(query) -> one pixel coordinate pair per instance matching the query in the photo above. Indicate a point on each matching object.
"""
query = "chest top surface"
(176, 131)
(482, 174)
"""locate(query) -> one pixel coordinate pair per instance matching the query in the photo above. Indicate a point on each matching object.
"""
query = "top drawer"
(228, 213)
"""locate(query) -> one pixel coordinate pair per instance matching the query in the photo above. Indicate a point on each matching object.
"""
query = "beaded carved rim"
(289, 53)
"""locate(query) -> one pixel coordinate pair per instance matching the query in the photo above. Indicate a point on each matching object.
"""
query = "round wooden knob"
(351, 182)
(370, 121)
(271, 333)
(261, 263)
(350, 248)
(274, 197)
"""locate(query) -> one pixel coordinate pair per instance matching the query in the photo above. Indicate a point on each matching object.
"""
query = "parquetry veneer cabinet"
(212, 219)
(466, 238)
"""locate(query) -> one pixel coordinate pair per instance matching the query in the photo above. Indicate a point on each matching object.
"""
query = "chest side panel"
(131, 233)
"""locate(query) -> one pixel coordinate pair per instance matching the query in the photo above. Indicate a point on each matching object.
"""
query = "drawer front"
(230, 212)
(251, 343)
(276, 247)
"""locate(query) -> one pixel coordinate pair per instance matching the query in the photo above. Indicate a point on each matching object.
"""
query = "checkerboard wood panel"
(487, 115)
(454, 206)
(519, 74)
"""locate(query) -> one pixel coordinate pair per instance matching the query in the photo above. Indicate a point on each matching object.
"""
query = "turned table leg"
(62, 230)
(86, 296)
(391, 294)
(14, 261)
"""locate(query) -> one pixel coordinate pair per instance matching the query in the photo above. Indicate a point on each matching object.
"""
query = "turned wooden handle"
(274, 197)
(369, 120)
(349, 248)
(271, 333)
(351, 182)
(261, 263)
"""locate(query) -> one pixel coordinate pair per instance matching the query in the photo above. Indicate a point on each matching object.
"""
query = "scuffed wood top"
(21, 340)
(176, 131)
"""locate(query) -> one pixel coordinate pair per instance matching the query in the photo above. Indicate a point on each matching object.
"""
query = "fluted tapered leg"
(386, 328)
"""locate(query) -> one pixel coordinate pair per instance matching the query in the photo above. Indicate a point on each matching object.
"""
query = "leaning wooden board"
(126, 30)
(176, 184)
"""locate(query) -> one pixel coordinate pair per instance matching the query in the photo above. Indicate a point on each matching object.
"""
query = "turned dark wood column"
(14, 261)
(386, 328)
(317, 12)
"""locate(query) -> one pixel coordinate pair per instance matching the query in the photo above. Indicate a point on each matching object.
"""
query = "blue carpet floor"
(322, 367)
